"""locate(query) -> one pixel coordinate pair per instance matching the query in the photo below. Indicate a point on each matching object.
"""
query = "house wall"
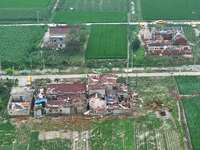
(57, 110)
(112, 112)
(167, 52)
(78, 109)
(110, 88)
(181, 41)
(100, 91)
(12, 112)
(60, 35)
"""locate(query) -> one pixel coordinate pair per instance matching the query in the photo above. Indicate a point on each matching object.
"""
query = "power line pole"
(38, 17)
(43, 63)
(127, 49)
(194, 61)
(0, 66)
(14, 75)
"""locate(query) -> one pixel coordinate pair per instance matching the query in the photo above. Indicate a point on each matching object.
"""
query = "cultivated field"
(17, 43)
(23, 10)
(187, 85)
(102, 11)
(107, 42)
(65, 16)
(170, 9)
(94, 5)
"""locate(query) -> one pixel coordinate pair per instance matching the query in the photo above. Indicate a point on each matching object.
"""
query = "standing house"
(57, 37)
(20, 102)
(66, 98)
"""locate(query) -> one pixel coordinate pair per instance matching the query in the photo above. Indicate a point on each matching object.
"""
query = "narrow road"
(22, 79)
(131, 23)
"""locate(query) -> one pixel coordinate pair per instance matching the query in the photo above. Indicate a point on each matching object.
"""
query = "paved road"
(131, 23)
(22, 79)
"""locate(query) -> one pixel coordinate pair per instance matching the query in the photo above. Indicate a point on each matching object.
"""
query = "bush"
(9, 71)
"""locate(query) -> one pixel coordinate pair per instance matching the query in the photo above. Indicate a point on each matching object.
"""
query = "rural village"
(99, 75)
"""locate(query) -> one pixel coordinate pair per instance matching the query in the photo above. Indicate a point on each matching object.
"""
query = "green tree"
(136, 44)
(9, 71)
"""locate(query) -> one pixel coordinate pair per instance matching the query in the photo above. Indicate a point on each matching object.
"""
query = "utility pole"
(194, 61)
(14, 75)
(128, 14)
(43, 63)
(0, 66)
(38, 17)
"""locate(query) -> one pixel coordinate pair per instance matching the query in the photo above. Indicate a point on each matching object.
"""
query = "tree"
(136, 44)
(73, 42)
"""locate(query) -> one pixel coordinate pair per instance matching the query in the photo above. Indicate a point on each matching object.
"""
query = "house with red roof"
(66, 98)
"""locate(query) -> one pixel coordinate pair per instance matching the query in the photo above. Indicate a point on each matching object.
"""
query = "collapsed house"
(20, 102)
(106, 96)
(166, 41)
(66, 98)
(57, 37)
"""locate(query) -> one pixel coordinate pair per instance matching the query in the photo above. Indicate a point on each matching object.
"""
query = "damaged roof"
(62, 30)
(100, 79)
(56, 103)
(122, 87)
(66, 88)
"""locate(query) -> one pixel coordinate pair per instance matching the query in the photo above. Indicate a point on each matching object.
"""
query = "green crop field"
(94, 5)
(25, 10)
(24, 3)
(187, 85)
(170, 9)
(18, 42)
(107, 42)
(64, 16)
(102, 11)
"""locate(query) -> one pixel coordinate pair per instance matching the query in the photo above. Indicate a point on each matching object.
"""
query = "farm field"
(187, 85)
(102, 11)
(170, 10)
(107, 42)
(95, 5)
(17, 43)
(23, 10)
(64, 16)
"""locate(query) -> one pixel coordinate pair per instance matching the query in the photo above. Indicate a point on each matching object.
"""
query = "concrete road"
(22, 79)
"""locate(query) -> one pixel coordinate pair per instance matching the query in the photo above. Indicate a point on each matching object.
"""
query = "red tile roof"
(56, 103)
(66, 88)
(62, 30)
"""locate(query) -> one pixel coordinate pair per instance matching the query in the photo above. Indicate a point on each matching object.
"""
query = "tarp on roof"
(40, 100)
(112, 97)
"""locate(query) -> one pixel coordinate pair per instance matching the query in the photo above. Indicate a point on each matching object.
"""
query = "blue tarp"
(108, 98)
(40, 100)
